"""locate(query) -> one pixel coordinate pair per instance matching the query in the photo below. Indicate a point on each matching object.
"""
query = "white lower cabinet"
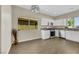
(68, 34)
(63, 33)
(72, 35)
(60, 33)
(57, 33)
(45, 34)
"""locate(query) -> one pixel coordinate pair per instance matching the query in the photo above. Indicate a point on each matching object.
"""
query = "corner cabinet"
(63, 33)
(60, 33)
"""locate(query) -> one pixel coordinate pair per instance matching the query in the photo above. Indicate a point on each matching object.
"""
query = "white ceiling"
(54, 10)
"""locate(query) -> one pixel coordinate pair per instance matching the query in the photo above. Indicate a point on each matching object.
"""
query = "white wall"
(5, 28)
(60, 22)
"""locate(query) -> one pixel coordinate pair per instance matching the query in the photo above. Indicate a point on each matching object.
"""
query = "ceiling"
(54, 10)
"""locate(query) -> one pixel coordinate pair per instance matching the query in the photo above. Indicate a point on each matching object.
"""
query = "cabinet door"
(45, 34)
(63, 34)
(60, 33)
(57, 33)
(72, 35)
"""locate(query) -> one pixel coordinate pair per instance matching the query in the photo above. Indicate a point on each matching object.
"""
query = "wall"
(71, 14)
(26, 34)
(60, 22)
(5, 28)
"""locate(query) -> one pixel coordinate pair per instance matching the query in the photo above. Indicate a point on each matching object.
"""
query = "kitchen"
(57, 28)
(57, 33)
(62, 29)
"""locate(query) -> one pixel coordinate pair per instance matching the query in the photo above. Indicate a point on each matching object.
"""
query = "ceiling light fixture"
(35, 8)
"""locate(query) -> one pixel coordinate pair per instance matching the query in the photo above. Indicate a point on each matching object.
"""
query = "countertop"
(72, 29)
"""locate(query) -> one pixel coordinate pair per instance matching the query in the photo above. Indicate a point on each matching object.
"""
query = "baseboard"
(73, 41)
(28, 40)
(7, 52)
(62, 37)
(9, 49)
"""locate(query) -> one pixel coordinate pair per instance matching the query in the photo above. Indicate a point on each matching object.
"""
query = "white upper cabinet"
(46, 21)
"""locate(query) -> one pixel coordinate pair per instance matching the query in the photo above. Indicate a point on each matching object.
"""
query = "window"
(73, 22)
(70, 22)
(27, 24)
(76, 21)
